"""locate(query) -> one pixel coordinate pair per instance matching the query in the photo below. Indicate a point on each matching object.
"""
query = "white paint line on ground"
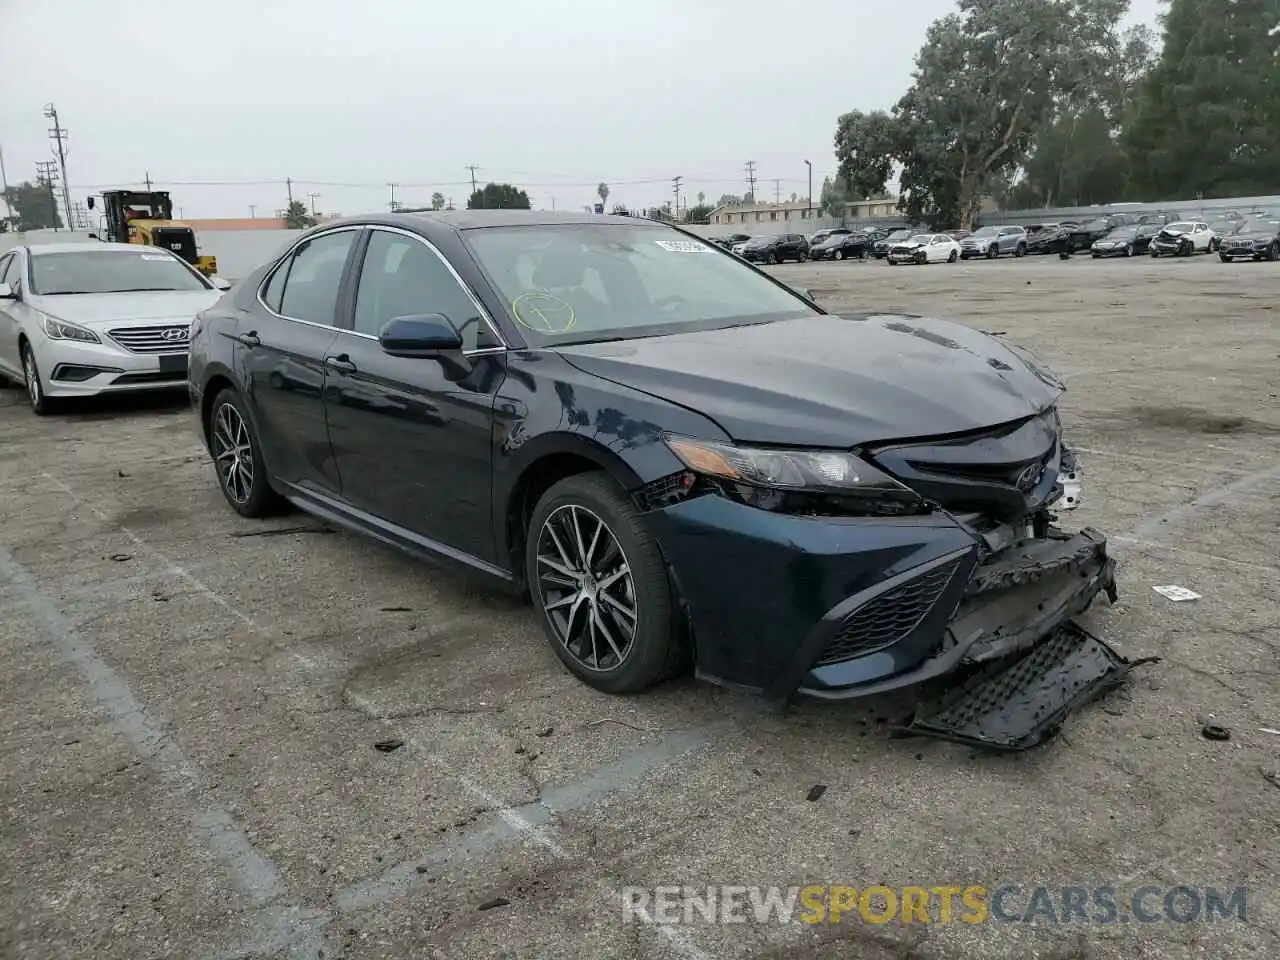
(1224, 494)
(254, 875)
(159, 557)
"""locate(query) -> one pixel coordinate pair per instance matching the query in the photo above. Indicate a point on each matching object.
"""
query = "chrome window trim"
(484, 314)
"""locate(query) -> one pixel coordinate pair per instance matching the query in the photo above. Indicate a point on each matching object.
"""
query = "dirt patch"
(1194, 420)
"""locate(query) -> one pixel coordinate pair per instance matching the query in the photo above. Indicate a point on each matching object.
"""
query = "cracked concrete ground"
(191, 700)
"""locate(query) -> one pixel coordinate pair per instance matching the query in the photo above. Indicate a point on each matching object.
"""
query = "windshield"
(111, 271)
(984, 232)
(899, 235)
(1260, 226)
(574, 283)
(1123, 233)
(921, 238)
(1181, 227)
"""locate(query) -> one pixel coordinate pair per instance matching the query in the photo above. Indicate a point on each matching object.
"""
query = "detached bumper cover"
(1020, 705)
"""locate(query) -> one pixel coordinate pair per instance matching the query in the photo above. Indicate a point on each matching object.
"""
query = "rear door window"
(313, 276)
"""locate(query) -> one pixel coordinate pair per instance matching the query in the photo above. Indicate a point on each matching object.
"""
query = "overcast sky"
(345, 97)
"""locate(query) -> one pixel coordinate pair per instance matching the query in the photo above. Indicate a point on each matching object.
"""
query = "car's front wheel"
(237, 458)
(953, 257)
(600, 585)
(41, 405)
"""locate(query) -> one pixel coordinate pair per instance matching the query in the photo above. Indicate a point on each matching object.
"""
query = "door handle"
(250, 339)
(342, 363)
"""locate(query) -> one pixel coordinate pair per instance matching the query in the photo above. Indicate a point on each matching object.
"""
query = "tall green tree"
(866, 145)
(437, 201)
(33, 206)
(495, 196)
(296, 216)
(602, 191)
(832, 199)
(987, 79)
(1207, 118)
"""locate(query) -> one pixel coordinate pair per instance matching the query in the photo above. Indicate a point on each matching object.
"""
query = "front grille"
(167, 338)
(889, 617)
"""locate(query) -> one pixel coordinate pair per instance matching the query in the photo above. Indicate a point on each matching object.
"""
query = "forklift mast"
(150, 205)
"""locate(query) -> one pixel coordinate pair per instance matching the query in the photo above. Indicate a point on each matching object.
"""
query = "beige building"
(798, 212)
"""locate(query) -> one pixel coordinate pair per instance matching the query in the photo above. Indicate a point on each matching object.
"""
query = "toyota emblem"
(1029, 477)
(174, 334)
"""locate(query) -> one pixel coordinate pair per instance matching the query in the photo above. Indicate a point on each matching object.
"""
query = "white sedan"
(925, 248)
(81, 319)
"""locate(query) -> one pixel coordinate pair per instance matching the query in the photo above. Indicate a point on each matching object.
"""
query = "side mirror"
(7, 292)
(220, 283)
(420, 335)
(91, 203)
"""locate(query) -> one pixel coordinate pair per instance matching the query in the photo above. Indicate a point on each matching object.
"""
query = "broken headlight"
(816, 482)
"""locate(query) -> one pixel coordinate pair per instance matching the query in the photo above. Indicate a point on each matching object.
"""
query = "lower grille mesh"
(889, 617)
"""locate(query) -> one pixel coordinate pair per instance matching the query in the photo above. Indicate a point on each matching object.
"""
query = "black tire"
(954, 257)
(41, 405)
(1128, 251)
(1021, 251)
(992, 251)
(1096, 256)
(773, 259)
(1155, 254)
(1224, 258)
(1273, 251)
(251, 495)
(838, 255)
(656, 649)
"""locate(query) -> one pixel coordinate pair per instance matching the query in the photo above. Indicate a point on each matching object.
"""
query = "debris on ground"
(387, 746)
(121, 557)
(397, 609)
(1176, 593)
(495, 902)
(546, 731)
(816, 792)
(1214, 731)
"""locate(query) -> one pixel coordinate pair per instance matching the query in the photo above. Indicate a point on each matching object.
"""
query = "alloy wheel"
(587, 588)
(233, 453)
(32, 377)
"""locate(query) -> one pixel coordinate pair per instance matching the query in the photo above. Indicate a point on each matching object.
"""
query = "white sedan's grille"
(168, 338)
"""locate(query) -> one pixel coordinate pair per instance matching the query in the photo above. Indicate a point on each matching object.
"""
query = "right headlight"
(56, 329)
(799, 481)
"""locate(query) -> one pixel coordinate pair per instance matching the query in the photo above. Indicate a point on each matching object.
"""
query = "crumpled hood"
(101, 309)
(830, 381)
(907, 244)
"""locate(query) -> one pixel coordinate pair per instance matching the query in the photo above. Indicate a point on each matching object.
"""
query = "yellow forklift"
(146, 217)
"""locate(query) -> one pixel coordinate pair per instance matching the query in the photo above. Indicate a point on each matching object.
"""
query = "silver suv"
(992, 242)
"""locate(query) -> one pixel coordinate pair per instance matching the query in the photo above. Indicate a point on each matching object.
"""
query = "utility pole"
(473, 168)
(4, 185)
(751, 180)
(288, 185)
(392, 205)
(777, 191)
(675, 206)
(58, 134)
(313, 196)
(252, 208)
(47, 176)
(810, 166)
(147, 180)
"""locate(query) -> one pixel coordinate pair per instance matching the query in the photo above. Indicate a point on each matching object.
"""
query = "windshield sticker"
(542, 312)
(152, 256)
(682, 246)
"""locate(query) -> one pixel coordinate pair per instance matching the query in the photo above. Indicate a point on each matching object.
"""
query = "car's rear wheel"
(839, 254)
(1021, 250)
(41, 405)
(237, 458)
(953, 257)
(1224, 258)
(1273, 251)
(601, 588)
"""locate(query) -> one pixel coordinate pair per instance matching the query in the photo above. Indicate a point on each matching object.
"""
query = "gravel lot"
(191, 700)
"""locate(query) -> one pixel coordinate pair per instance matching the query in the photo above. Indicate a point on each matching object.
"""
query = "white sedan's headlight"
(56, 329)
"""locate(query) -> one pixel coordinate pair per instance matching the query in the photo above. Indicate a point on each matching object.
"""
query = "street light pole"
(810, 166)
